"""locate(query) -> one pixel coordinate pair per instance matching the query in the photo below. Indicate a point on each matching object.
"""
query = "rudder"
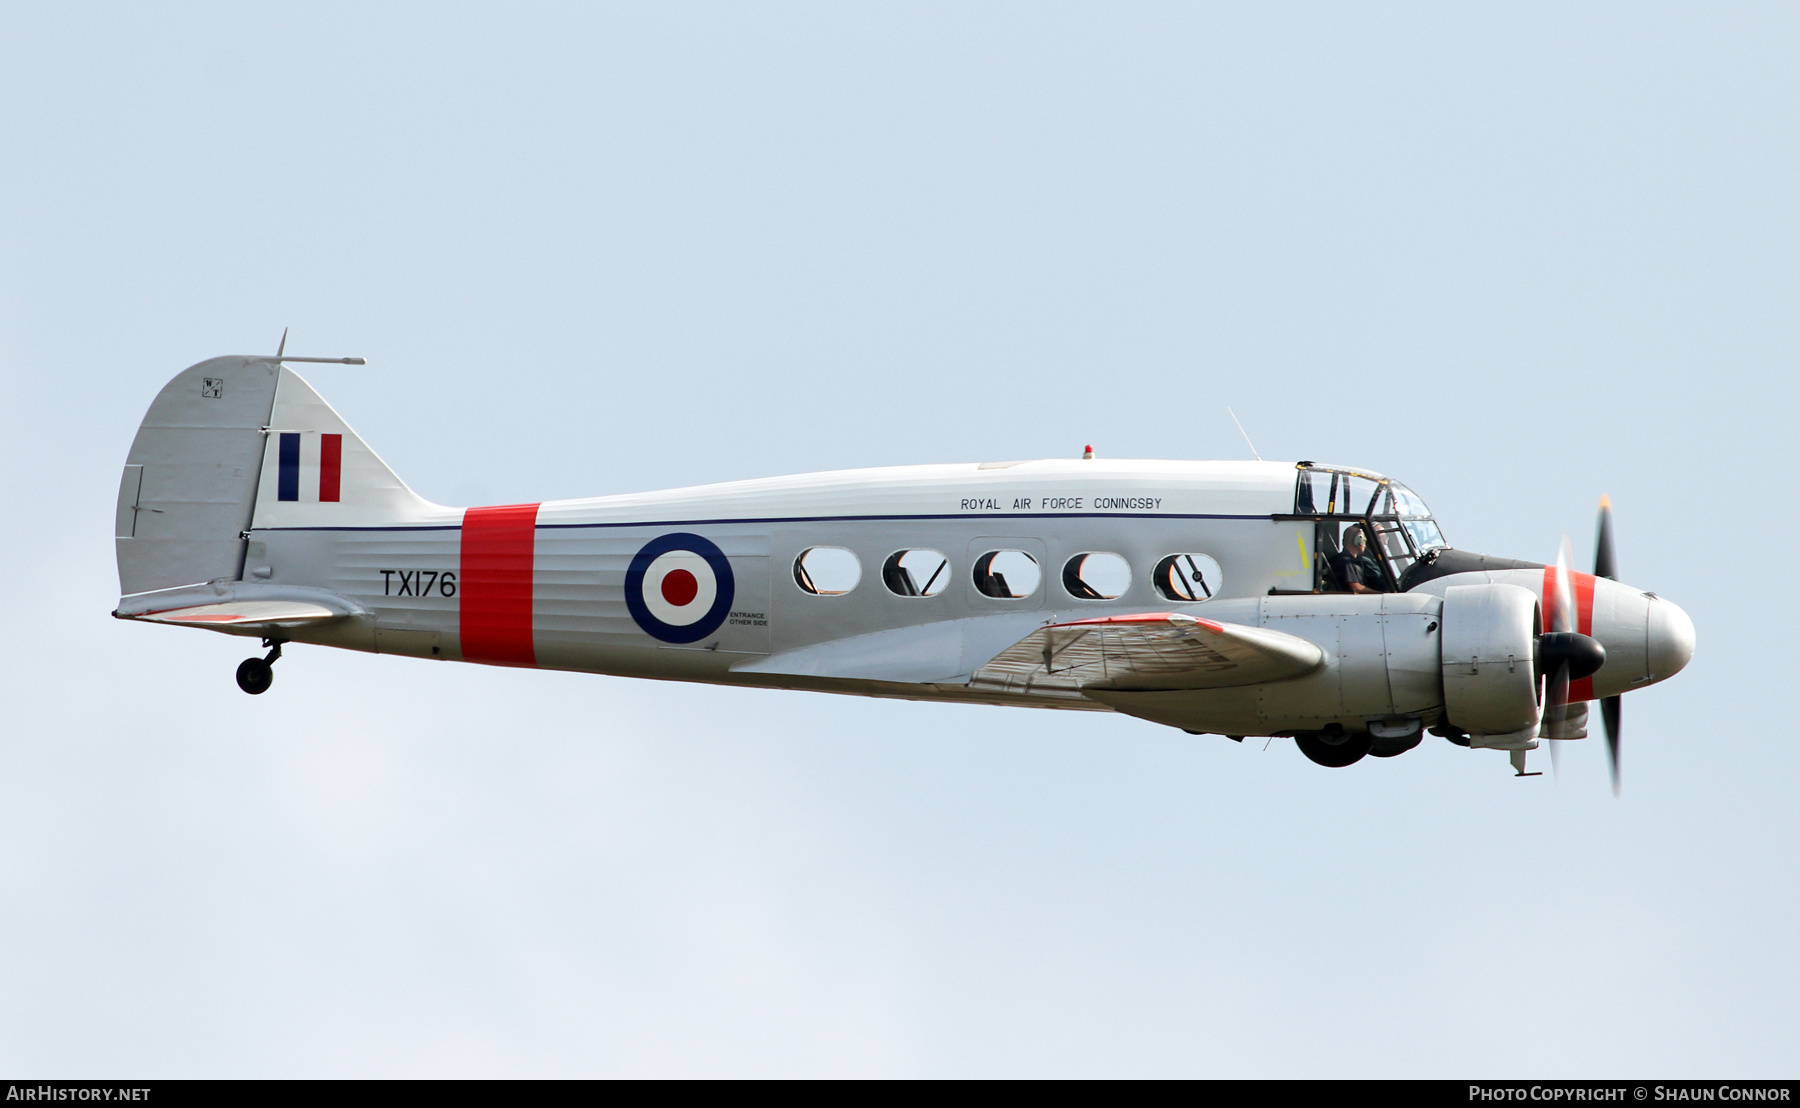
(189, 486)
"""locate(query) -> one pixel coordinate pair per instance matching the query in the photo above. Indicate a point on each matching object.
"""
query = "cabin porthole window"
(1187, 578)
(916, 573)
(1007, 574)
(827, 571)
(1096, 575)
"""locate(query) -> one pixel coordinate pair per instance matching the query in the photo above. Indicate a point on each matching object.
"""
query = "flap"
(1148, 650)
(247, 614)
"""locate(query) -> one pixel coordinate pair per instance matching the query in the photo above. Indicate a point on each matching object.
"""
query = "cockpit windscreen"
(1415, 516)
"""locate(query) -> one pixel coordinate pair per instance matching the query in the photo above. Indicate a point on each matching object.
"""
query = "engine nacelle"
(1489, 644)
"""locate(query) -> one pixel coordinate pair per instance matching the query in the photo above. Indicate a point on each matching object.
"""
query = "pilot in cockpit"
(1355, 568)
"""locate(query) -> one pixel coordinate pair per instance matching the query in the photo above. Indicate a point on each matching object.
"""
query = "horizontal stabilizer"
(1148, 650)
(238, 607)
(246, 614)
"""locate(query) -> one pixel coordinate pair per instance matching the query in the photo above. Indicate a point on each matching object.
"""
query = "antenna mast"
(281, 355)
(1244, 433)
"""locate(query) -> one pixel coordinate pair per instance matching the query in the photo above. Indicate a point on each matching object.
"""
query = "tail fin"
(316, 472)
(237, 443)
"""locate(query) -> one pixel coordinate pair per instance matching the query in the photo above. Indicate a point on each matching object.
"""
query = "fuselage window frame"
(804, 578)
(1078, 587)
(993, 584)
(1188, 577)
(901, 582)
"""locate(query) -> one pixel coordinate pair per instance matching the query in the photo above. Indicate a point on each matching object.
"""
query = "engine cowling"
(1488, 650)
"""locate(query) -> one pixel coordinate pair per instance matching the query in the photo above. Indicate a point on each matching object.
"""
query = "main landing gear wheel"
(1393, 748)
(255, 675)
(1335, 749)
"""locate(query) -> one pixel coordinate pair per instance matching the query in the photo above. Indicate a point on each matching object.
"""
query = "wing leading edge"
(1148, 650)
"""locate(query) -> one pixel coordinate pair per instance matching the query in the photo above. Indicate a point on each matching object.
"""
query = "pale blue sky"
(1516, 256)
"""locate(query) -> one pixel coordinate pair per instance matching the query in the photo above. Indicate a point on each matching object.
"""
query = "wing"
(1149, 650)
(246, 615)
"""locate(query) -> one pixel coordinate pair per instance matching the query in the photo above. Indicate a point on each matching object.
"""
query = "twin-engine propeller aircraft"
(1312, 601)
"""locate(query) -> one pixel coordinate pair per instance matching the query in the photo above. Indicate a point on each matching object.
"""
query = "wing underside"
(1151, 650)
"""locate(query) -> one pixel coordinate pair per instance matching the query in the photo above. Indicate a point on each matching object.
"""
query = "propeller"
(1556, 667)
(1562, 621)
(1564, 654)
(1604, 566)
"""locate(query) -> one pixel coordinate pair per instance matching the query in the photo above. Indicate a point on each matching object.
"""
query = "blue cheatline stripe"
(288, 485)
(971, 517)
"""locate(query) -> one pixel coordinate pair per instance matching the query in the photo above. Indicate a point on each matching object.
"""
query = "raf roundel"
(679, 588)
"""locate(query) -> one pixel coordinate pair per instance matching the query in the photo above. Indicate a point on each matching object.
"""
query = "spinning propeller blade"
(1562, 621)
(1609, 711)
(1562, 608)
(1605, 566)
(1603, 544)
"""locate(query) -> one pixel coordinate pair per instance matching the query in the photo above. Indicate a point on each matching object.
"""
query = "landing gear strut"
(255, 675)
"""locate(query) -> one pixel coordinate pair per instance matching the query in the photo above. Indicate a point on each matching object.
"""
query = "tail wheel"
(254, 676)
(1336, 749)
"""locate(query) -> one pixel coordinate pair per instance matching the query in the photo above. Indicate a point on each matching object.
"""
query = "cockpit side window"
(1368, 531)
(1345, 559)
(1360, 495)
(1391, 537)
(1333, 492)
(1311, 491)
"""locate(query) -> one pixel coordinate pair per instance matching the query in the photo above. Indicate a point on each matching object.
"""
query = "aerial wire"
(1246, 434)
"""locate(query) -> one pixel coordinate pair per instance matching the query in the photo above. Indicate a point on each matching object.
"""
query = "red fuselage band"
(494, 584)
